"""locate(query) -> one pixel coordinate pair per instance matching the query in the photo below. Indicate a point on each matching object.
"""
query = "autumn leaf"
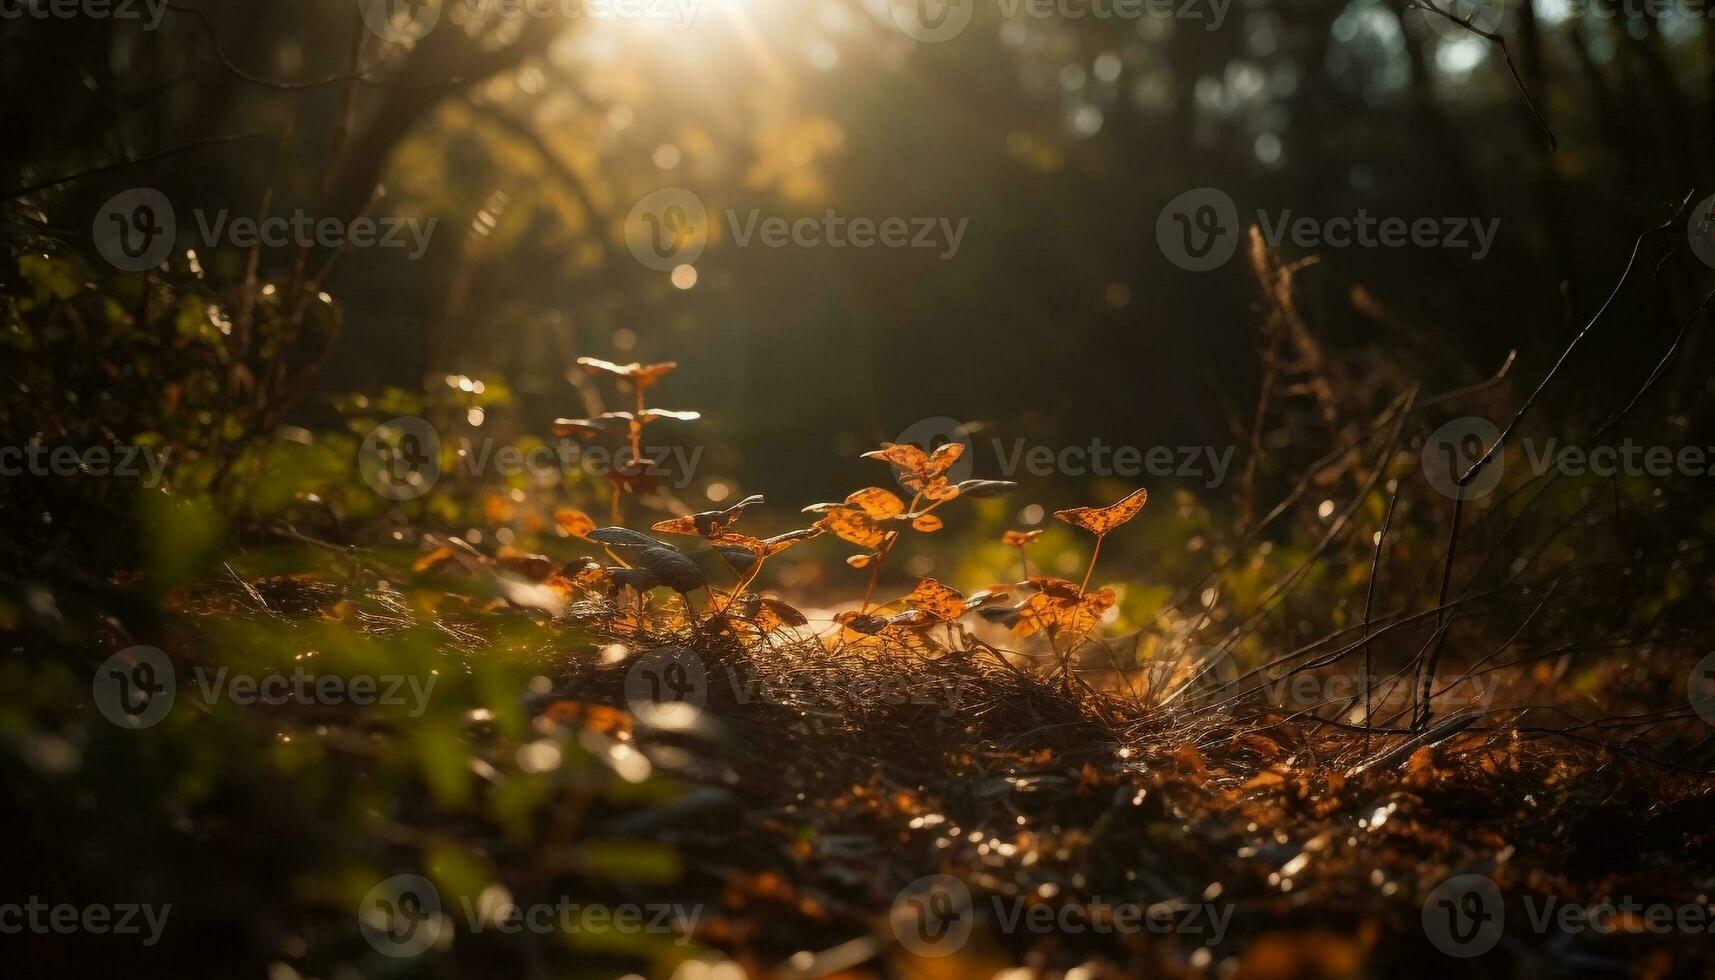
(657, 414)
(877, 502)
(926, 523)
(643, 376)
(922, 473)
(709, 523)
(1060, 607)
(1101, 520)
(433, 559)
(640, 579)
(589, 576)
(574, 523)
(780, 542)
(589, 428)
(1018, 539)
(855, 525)
(787, 615)
(861, 622)
(937, 601)
(622, 537)
(675, 571)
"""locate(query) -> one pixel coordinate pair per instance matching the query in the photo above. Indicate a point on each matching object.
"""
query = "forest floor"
(857, 812)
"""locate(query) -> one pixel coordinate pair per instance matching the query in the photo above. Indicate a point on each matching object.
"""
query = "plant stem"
(1091, 570)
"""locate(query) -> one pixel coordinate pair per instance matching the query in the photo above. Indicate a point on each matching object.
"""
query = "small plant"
(1057, 607)
(926, 621)
(633, 475)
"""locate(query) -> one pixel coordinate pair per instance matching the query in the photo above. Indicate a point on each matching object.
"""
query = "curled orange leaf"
(1101, 520)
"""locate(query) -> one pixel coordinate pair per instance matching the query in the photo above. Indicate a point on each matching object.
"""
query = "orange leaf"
(936, 600)
(927, 523)
(1018, 539)
(432, 559)
(709, 523)
(1100, 520)
(575, 523)
(877, 502)
(854, 525)
(785, 614)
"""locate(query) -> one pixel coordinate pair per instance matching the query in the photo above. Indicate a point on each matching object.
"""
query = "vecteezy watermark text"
(148, 12)
(137, 229)
(404, 916)
(63, 918)
(1208, 463)
(401, 459)
(934, 21)
(1199, 231)
(1452, 451)
(403, 21)
(934, 917)
(1465, 916)
(670, 680)
(137, 687)
(144, 463)
(671, 227)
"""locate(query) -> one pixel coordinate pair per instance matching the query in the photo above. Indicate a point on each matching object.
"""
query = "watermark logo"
(934, 432)
(1020, 457)
(932, 21)
(666, 686)
(135, 688)
(1702, 230)
(401, 916)
(400, 21)
(1464, 916)
(400, 459)
(1701, 687)
(668, 229)
(1451, 451)
(1482, 15)
(1198, 231)
(933, 916)
(135, 230)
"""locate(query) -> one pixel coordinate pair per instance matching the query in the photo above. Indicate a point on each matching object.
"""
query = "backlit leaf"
(1101, 520)
(642, 375)
(574, 523)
